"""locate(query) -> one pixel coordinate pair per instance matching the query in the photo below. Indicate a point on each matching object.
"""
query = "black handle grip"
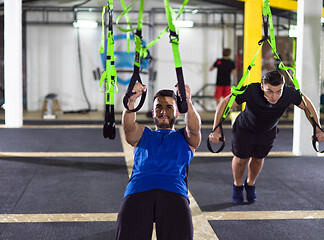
(221, 139)
(182, 98)
(314, 136)
(135, 78)
(109, 130)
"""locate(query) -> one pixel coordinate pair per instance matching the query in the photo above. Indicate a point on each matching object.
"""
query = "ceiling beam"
(228, 3)
(290, 5)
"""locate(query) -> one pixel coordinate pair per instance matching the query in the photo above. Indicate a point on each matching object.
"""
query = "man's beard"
(164, 124)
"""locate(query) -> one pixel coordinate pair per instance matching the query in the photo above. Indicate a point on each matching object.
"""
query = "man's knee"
(257, 160)
(240, 161)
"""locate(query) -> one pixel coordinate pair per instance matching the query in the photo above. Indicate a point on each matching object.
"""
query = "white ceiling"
(148, 3)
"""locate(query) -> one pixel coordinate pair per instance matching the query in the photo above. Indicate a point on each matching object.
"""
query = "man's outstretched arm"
(310, 106)
(214, 136)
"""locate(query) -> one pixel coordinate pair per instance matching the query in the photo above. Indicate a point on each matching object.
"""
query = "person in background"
(225, 67)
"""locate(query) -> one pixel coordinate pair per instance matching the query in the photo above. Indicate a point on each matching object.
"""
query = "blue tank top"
(160, 161)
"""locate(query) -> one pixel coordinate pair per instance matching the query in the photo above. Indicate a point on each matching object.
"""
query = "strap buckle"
(174, 37)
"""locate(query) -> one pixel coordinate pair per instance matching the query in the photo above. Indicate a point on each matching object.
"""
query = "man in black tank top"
(255, 129)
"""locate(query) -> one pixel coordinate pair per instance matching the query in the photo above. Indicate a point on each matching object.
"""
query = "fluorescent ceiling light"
(85, 24)
(183, 23)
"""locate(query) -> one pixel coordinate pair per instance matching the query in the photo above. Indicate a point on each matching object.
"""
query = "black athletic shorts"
(170, 212)
(246, 144)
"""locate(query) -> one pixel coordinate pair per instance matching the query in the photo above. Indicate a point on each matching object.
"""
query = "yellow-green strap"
(128, 25)
(140, 15)
(294, 53)
(102, 45)
(109, 75)
(292, 78)
(267, 20)
(125, 12)
(237, 90)
(144, 52)
(164, 30)
(174, 38)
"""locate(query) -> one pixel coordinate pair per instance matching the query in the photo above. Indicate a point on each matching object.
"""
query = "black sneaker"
(250, 192)
(238, 194)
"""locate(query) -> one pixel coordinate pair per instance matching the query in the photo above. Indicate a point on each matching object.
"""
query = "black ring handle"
(129, 92)
(314, 136)
(221, 139)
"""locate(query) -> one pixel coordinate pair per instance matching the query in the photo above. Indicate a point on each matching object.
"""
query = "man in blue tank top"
(255, 129)
(157, 190)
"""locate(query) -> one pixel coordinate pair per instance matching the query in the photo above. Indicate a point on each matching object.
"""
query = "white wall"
(52, 65)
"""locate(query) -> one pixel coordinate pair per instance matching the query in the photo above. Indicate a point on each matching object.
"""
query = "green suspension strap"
(109, 76)
(235, 91)
(137, 61)
(174, 39)
(313, 122)
(268, 27)
(142, 52)
(128, 26)
(294, 53)
(125, 13)
(272, 43)
(145, 49)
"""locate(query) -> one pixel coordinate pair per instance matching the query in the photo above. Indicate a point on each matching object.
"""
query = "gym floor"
(60, 179)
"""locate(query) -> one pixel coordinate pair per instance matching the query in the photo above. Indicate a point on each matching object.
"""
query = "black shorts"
(170, 211)
(246, 144)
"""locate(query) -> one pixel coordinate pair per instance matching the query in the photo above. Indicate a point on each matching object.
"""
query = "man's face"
(272, 93)
(164, 112)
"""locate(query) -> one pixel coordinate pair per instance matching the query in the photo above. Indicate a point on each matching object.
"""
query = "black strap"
(135, 77)
(181, 99)
(222, 139)
(265, 29)
(109, 124)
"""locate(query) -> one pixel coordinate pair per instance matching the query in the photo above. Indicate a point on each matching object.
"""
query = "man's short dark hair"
(227, 52)
(165, 93)
(274, 78)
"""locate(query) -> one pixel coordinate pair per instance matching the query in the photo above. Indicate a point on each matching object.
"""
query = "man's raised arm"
(133, 130)
(193, 123)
